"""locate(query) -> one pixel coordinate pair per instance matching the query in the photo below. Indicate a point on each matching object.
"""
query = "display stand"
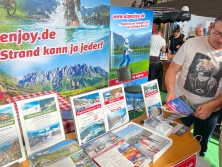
(134, 90)
(172, 156)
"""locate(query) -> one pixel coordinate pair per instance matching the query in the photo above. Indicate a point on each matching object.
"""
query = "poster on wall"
(131, 30)
(60, 45)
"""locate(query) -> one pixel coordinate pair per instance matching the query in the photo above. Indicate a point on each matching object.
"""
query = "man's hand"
(178, 46)
(203, 111)
(170, 96)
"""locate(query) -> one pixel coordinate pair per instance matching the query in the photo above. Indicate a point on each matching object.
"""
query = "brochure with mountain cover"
(152, 99)
(66, 153)
(89, 116)
(110, 150)
(41, 122)
(115, 107)
(181, 105)
(150, 143)
(11, 146)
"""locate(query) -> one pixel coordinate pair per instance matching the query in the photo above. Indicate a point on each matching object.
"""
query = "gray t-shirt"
(201, 72)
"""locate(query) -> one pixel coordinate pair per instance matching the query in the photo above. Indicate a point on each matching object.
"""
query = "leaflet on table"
(152, 99)
(11, 147)
(158, 126)
(109, 150)
(178, 129)
(152, 144)
(114, 103)
(66, 153)
(181, 105)
(41, 122)
(88, 116)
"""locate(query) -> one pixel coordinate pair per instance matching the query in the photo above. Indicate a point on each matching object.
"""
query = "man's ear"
(211, 26)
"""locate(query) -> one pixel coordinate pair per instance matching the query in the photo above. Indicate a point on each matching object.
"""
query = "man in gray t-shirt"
(199, 61)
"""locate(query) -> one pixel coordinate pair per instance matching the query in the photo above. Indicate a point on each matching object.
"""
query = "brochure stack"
(104, 132)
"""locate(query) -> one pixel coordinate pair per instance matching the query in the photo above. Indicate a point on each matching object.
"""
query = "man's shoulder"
(196, 40)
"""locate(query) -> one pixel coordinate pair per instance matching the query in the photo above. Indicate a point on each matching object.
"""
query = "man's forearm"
(170, 79)
(216, 104)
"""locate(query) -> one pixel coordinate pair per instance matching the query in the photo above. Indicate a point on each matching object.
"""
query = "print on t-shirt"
(203, 76)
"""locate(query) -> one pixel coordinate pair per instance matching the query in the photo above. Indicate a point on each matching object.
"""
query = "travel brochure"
(181, 105)
(150, 143)
(88, 116)
(111, 150)
(11, 146)
(41, 122)
(66, 153)
(158, 126)
(152, 99)
(115, 106)
(102, 126)
(98, 112)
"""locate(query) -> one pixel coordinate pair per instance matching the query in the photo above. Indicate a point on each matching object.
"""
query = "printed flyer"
(110, 150)
(114, 103)
(88, 116)
(60, 45)
(150, 143)
(11, 146)
(41, 122)
(66, 153)
(131, 30)
(152, 99)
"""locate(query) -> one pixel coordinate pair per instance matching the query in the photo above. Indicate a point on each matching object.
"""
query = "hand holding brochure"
(181, 105)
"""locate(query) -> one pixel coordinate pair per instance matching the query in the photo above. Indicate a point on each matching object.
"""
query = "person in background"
(176, 40)
(158, 43)
(150, 2)
(199, 31)
(199, 61)
(144, 2)
(133, 4)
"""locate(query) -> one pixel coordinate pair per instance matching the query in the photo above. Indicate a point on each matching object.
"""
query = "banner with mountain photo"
(131, 30)
(60, 45)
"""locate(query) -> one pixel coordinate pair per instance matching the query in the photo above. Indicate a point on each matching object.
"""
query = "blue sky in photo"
(30, 104)
(93, 3)
(128, 129)
(6, 110)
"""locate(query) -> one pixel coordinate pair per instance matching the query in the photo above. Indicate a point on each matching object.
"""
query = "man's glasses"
(217, 34)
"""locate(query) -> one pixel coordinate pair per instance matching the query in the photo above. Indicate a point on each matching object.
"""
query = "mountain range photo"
(59, 77)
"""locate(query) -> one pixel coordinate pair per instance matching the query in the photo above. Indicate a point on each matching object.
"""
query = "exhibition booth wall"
(72, 48)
